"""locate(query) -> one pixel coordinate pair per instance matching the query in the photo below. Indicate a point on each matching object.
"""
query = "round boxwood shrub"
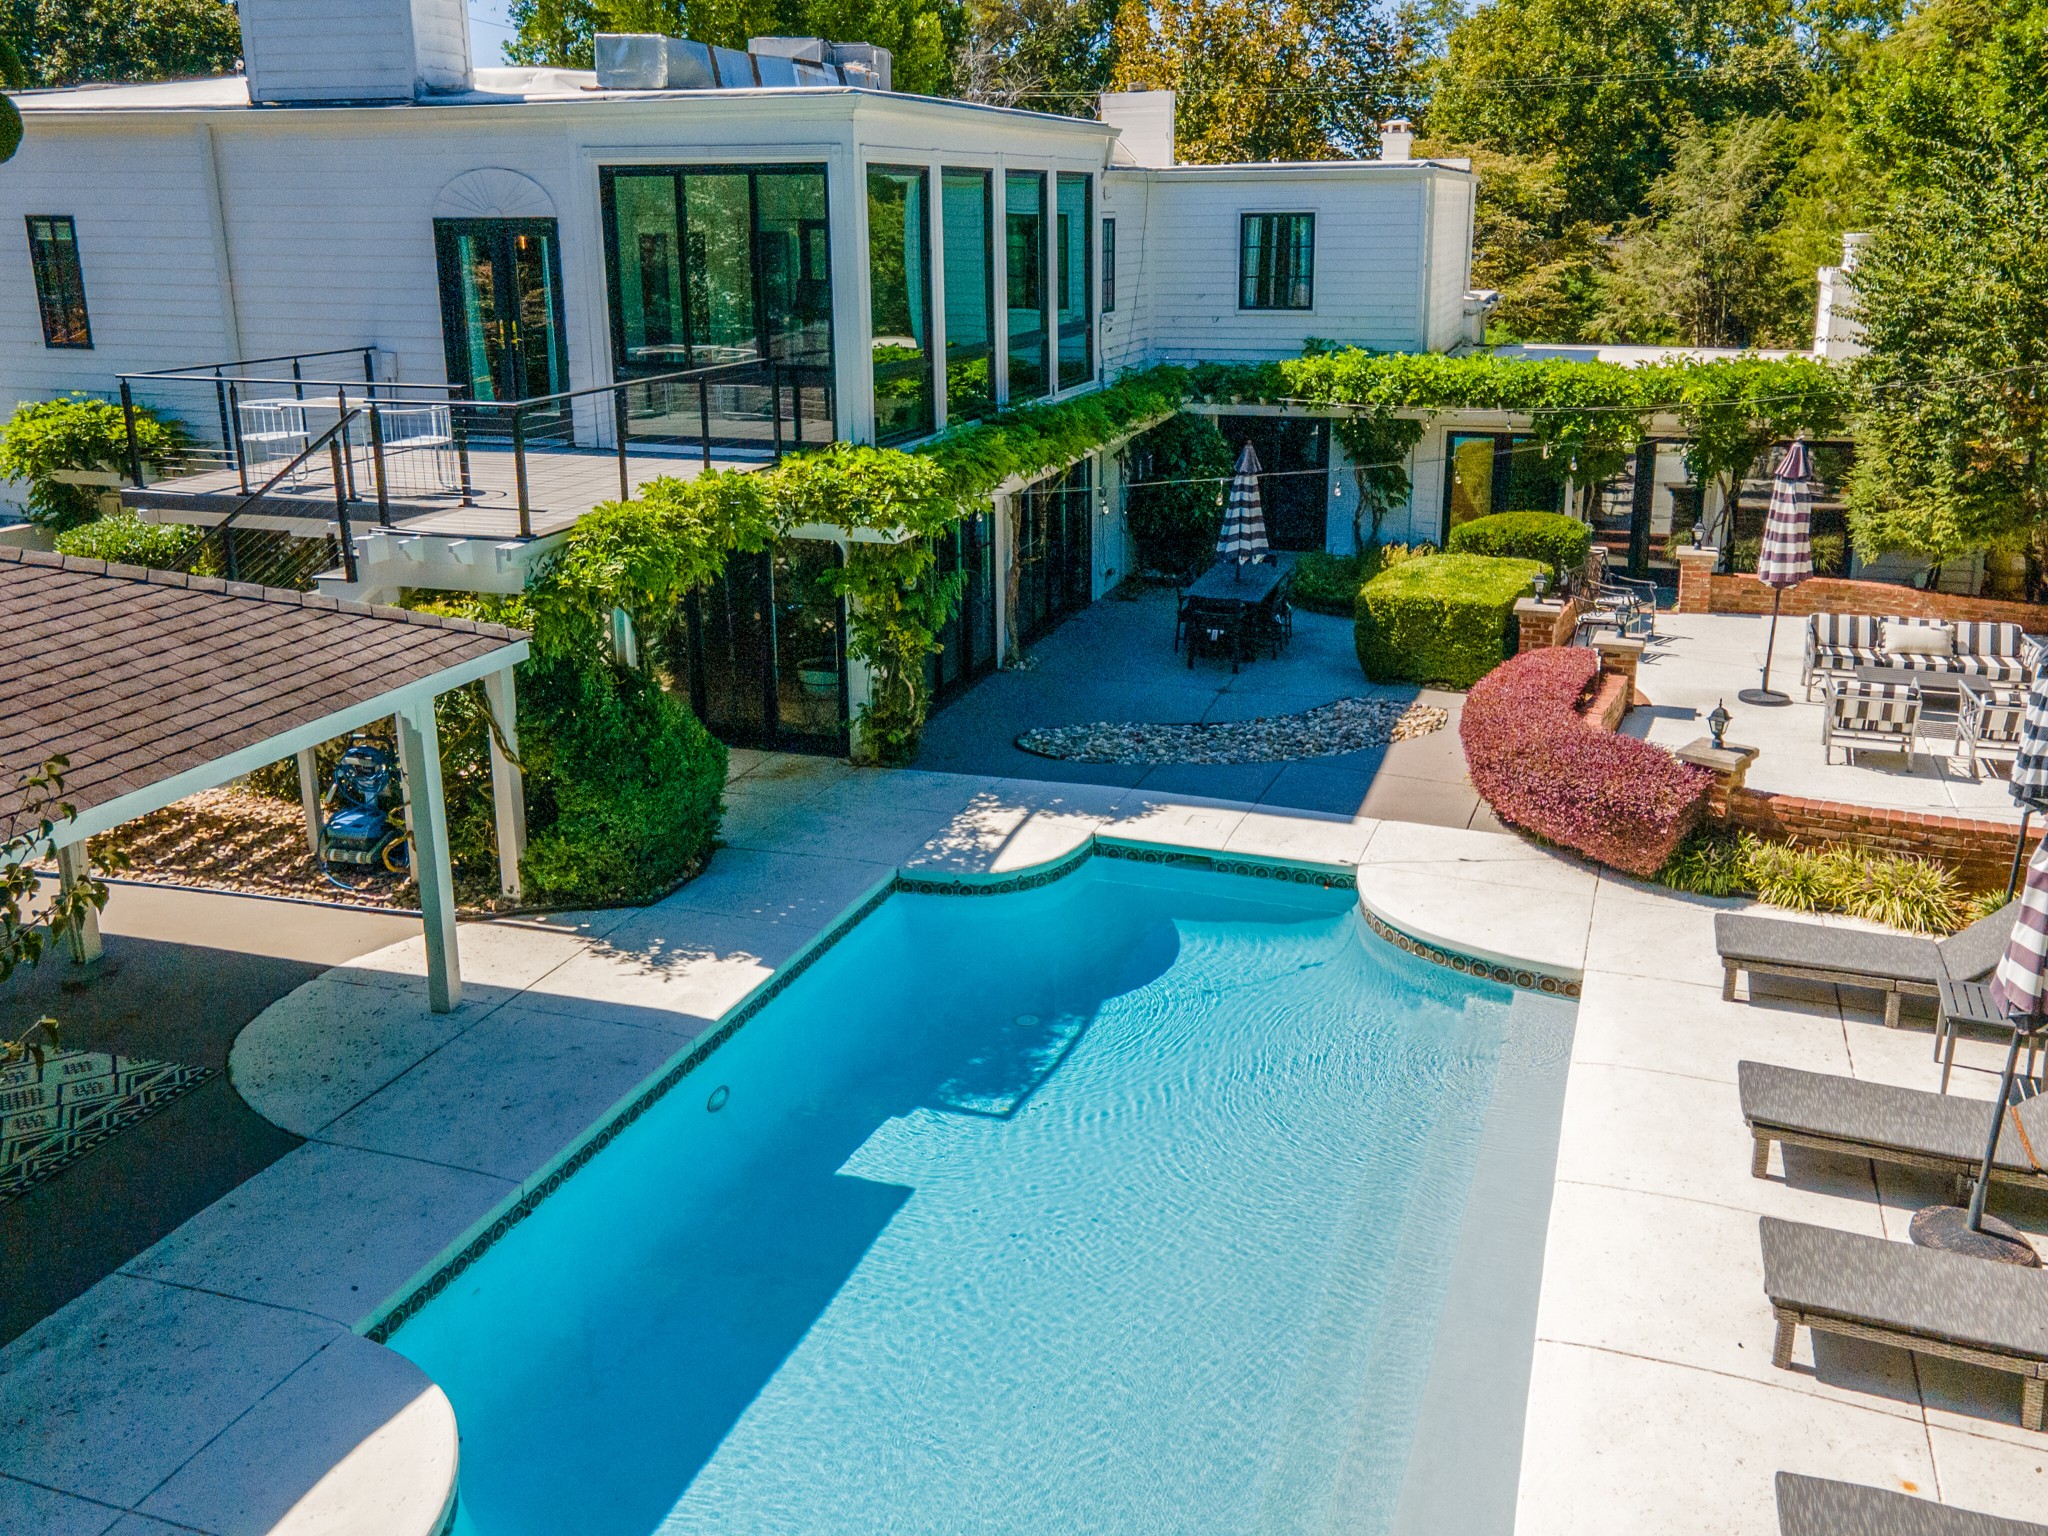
(1446, 619)
(127, 540)
(1560, 542)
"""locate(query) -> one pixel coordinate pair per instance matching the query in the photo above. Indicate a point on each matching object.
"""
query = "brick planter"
(1980, 852)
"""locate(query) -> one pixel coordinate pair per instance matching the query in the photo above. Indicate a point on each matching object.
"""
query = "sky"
(489, 31)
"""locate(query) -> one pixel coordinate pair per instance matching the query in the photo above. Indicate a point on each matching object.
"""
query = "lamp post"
(1717, 724)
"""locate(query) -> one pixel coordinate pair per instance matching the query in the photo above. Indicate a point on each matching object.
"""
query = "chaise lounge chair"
(1818, 1506)
(1888, 1125)
(1920, 1299)
(1898, 965)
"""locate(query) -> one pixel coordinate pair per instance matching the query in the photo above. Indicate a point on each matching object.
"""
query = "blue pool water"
(1153, 1200)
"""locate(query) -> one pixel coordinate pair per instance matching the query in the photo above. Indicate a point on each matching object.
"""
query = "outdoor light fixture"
(1699, 535)
(1717, 723)
(1541, 583)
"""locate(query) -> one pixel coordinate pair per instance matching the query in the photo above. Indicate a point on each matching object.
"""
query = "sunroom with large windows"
(725, 267)
(900, 300)
(965, 219)
(1024, 220)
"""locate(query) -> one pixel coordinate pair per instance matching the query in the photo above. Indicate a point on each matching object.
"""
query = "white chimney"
(364, 50)
(1837, 334)
(1144, 123)
(1397, 139)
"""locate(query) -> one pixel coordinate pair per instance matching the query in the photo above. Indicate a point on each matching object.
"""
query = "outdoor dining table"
(1228, 582)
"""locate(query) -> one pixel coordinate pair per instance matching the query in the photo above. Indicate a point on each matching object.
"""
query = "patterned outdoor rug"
(52, 1115)
(1349, 725)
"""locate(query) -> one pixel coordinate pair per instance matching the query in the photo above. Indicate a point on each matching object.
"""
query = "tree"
(1269, 79)
(1546, 266)
(1951, 411)
(1734, 411)
(71, 42)
(1700, 269)
(1051, 55)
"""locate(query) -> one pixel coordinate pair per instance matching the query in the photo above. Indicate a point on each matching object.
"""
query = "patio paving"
(1699, 660)
(1115, 661)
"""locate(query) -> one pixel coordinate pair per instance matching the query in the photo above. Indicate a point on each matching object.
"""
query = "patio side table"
(1969, 1002)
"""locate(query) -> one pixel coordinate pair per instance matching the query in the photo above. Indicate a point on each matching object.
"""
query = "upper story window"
(60, 281)
(1109, 266)
(1276, 261)
(1076, 222)
(1024, 249)
(899, 286)
(966, 226)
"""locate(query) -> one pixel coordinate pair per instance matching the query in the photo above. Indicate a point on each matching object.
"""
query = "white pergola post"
(508, 784)
(309, 798)
(83, 941)
(419, 755)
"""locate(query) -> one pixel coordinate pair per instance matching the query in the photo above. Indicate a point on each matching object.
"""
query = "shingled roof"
(139, 676)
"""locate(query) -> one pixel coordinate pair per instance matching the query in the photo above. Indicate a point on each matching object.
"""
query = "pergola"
(157, 685)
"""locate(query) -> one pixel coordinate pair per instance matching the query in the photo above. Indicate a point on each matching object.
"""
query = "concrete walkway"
(220, 1380)
(1115, 661)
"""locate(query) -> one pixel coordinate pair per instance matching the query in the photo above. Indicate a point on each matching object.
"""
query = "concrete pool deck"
(221, 1381)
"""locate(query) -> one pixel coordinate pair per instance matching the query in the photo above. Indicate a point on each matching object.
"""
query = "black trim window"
(1109, 266)
(1276, 261)
(60, 281)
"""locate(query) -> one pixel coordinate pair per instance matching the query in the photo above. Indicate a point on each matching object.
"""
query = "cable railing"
(286, 558)
(427, 446)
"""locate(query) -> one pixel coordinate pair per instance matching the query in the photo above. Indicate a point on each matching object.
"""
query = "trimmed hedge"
(1446, 619)
(1560, 542)
(1620, 801)
(1830, 554)
(125, 539)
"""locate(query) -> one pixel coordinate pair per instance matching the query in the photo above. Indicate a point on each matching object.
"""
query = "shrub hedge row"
(1620, 801)
(1445, 619)
(1560, 542)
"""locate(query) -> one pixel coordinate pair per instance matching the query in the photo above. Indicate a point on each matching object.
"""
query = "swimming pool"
(1149, 1200)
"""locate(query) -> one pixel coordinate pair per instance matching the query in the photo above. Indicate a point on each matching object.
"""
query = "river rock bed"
(1349, 725)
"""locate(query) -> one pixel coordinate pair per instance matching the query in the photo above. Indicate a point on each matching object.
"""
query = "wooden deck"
(561, 485)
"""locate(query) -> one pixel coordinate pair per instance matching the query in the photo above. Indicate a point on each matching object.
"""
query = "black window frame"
(924, 421)
(1107, 301)
(59, 285)
(1262, 289)
(959, 407)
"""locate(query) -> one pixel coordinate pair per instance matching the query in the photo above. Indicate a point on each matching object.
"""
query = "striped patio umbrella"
(2029, 782)
(2022, 975)
(1243, 538)
(1787, 555)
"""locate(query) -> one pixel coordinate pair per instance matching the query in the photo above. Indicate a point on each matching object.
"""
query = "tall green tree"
(1952, 411)
(72, 42)
(1049, 55)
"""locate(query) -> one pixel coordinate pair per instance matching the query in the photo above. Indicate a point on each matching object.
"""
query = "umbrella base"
(1768, 698)
(1947, 1227)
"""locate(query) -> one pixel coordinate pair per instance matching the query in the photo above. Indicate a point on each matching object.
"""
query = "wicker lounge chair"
(1818, 1506)
(1898, 965)
(1919, 1299)
(1888, 1125)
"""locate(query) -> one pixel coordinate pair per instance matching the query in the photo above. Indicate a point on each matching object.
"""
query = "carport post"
(419, 754)
(84, 940)
(508, 784)
(309, 798)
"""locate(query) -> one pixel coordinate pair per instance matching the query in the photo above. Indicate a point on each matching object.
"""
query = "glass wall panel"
(970, 295)
(1055, 548)
(762, 650)
(900, 301)
(1077, 330)
(1468, 490)
(718, 245)
(1024, 246)
(967, 642)
(649, 281)
(796, 265)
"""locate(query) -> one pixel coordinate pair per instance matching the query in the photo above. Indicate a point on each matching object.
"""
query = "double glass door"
(1055, 550)
(501, 307)
(762, 650)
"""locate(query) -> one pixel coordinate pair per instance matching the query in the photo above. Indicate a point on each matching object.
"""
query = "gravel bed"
(1349, 725)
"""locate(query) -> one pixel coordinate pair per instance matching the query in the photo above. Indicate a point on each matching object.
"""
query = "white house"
(695, 256)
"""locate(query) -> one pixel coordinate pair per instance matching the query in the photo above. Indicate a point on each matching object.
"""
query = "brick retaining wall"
(1980, 852)
(1836, 594)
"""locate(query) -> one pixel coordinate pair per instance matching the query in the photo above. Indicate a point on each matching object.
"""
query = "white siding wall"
(1369, 261)
(1450, 259)
(142, 205)
(1125, 197)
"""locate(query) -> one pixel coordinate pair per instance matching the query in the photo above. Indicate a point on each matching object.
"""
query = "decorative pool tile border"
(1327, 876)
(1527, 977)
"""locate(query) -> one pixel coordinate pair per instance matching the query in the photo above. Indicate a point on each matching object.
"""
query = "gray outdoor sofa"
(1819, 1506)
(1906, 1126)
(1898, 965)
(1920, 1299)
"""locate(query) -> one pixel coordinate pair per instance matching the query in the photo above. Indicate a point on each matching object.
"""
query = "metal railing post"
(619, 431)
(458, 428)
(220, 400)
(704, 417)
(796, 400)
(377, 464)
(234, 420)
(775, 406)
(348, 458)
(298, 381)
(134, 448)
(519, 471)
(370, 366)
(348, 543)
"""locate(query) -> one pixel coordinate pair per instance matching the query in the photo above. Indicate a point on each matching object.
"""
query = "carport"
(157, 685)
